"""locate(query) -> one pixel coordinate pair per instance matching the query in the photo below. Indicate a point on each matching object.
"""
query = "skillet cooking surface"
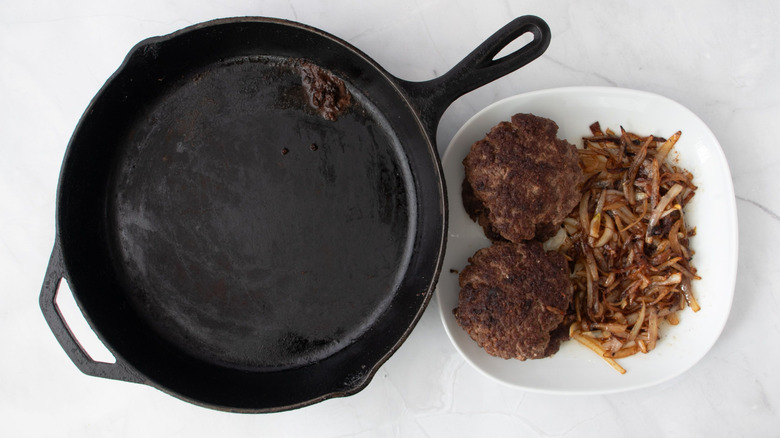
(251, 229)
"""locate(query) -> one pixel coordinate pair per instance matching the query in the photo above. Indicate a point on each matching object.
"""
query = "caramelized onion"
(628, 243)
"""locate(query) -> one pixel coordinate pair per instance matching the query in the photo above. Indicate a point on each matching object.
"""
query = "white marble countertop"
(718, 58)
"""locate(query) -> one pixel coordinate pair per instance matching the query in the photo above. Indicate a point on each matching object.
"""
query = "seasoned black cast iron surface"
(242, 242)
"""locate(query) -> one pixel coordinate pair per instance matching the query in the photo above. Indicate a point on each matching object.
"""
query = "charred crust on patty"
(521, 180)
(478, 213)
(514, 300)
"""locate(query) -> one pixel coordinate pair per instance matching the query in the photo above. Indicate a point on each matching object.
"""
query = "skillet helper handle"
(55, 273)
(479, 68)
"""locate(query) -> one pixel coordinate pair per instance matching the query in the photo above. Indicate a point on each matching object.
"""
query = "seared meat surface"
(514, 298)
(521, 180)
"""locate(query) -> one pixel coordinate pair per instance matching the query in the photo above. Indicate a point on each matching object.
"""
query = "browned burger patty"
(513, 300)
(526, 179)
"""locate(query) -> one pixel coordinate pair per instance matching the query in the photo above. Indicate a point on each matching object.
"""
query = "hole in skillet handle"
(52, 303)
(78, 326)
(519, 42)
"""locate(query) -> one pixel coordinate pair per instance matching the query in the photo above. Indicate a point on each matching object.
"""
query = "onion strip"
(596, 348)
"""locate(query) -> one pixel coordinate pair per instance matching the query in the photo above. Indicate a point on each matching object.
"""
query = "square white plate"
(575, 369)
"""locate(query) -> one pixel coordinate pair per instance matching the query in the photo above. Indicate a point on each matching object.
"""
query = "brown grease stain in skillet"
(327, 94)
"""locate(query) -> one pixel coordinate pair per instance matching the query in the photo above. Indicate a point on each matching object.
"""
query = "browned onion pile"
(628, 243)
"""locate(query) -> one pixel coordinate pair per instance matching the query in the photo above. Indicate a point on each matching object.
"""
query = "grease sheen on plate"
(575, 369)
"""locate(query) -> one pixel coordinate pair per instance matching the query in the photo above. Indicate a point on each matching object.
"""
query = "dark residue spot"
(285, 151)
(314, 147)
(327, 94)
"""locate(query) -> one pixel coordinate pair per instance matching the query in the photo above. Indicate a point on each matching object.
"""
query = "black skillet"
(243, 241)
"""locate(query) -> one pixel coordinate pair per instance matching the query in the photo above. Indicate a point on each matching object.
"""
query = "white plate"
(574, 369)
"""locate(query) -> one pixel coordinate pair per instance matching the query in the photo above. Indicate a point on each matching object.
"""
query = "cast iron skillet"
(232, 246)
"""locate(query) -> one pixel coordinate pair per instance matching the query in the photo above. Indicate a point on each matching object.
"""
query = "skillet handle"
(55, 273)
(478, 68)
